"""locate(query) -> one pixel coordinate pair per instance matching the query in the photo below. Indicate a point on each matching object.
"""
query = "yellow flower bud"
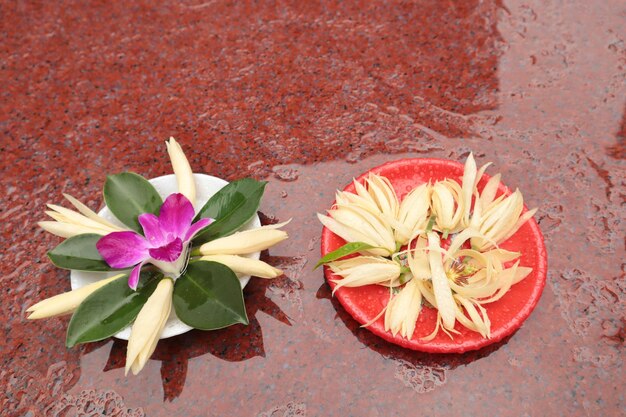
(447, 205)
(67, 230)
(70, 223)
(182, 170)
(148, 325)
(87, 212)
(245, 266)
(241, 243)
(67, 302)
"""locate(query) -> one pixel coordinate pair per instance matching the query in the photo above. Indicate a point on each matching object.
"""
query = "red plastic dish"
(506, 314)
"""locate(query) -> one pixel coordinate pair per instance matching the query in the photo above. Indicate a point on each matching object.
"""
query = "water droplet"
(285, 173)
(420, 378)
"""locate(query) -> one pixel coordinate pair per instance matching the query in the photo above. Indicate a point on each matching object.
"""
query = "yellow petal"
(481, 327)
(384, 195)
(417, 260)
(521, 273)
(374, 226)
(343, 198)
(182, 170)
(520, 222)
(441, 288)
(347, 233)
(403, 310)
(505, 279)
(488, 193)
(469, 180)
(364, 270)
(413, 213)
(447, 205)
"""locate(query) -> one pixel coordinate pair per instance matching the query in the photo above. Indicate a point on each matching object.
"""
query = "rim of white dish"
(206, 187)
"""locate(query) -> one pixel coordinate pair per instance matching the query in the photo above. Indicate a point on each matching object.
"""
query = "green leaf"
(208, 297)
(345, 250)
(231, 207)
(128, 195)
(431, 223)
(80, 253)
(109, 309)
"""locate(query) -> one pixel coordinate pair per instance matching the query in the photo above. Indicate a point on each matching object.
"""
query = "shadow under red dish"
(506, 314)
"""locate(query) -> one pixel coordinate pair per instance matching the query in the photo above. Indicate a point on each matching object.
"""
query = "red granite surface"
(309, 95)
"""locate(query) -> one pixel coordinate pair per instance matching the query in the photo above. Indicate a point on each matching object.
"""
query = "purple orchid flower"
(164, 244)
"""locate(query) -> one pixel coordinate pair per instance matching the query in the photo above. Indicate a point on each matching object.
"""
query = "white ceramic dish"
(206, 186)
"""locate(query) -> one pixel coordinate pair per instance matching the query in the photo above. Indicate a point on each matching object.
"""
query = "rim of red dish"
(506, 315)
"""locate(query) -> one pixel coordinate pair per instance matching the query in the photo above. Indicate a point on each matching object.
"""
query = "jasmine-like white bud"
(245, 266)
(87, 212)
(447, 205)
(182, 170)
(245, 242)
(148, 325)
(67, 230)
(67, 302)
(70, 223)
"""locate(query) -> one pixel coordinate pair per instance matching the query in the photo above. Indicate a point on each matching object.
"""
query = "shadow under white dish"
(206, 187)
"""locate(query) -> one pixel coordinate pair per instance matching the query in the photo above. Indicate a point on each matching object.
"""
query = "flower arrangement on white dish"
(438, 247)
(168, 260)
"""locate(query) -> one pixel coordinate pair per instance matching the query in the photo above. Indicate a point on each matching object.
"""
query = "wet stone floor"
(308, 95)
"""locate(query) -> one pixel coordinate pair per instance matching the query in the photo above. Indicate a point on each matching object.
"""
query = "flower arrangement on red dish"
(438, 247)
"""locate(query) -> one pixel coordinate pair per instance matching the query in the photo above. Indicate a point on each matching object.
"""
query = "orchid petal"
(123, 249)
(176, 216)
(169, 252)
(133, 278)
(152, 230)
(196, 227)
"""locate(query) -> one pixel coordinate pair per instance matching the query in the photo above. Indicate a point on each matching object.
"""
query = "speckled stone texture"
(309, 95)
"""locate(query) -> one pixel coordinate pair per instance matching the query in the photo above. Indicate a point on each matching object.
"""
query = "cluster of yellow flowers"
(406, 252)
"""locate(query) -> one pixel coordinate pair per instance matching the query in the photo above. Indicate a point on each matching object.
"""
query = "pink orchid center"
(166, 239)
